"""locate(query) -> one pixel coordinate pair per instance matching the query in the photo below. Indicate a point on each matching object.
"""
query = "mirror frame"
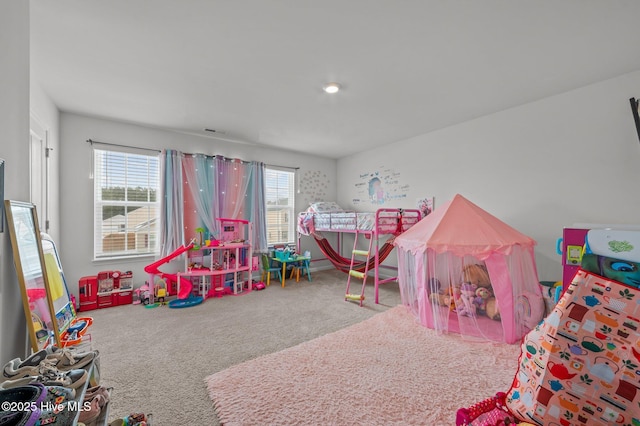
(63, 307)
(22, 242)
(1, 194)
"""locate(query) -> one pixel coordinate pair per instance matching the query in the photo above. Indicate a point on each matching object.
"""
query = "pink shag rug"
(385, 370)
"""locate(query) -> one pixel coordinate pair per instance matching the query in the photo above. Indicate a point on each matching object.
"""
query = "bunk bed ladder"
(357, 274)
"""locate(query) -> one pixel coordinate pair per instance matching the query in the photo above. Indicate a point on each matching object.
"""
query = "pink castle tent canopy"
(433, 256)
(462, 228)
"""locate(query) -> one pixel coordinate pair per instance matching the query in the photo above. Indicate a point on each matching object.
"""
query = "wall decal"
(314, 186)
(379, 187)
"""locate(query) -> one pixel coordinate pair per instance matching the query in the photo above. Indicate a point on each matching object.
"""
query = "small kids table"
(292, 259)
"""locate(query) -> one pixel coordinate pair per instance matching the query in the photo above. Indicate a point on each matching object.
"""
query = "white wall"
(14, 149)
(570, 158)
(76, 199)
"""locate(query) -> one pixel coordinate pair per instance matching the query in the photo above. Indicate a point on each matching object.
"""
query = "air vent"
(219, 132)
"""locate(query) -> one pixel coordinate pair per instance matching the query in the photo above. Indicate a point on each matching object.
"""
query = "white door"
(39, 172)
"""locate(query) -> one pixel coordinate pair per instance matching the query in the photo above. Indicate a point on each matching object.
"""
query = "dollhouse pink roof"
(462, 228)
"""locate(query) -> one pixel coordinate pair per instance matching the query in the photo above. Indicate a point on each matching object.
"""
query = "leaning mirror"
(63, 308)
(29, 261)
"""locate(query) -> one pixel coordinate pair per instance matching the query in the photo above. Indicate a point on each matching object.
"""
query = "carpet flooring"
(386, 370)
(157, 359)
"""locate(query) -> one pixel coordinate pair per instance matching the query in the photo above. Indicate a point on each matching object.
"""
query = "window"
(126, 213)
(279, 194)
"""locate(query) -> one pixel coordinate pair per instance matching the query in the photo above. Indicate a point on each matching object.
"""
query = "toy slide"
(185, 284)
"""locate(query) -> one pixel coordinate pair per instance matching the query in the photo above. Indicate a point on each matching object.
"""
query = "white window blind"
(280, 198)
(126, 213)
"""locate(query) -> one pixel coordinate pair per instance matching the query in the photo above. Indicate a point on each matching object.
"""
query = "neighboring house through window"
(280, 198)
(126, 214)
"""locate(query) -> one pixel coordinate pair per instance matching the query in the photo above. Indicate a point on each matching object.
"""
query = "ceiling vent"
(219, 132)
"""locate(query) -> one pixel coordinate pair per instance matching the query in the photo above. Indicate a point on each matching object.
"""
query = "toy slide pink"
(185, 284)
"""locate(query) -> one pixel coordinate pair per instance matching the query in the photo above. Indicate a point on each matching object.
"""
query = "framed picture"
(425, 205)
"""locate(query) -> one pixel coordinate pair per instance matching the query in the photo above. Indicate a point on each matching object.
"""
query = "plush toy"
(454, 291)
(465, 305)
(476, 274)
(437, 294)
(440, 298)
(491, 309)
(443, 296)
(482, 295)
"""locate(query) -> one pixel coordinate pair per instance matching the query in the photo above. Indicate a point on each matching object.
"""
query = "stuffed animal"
(455, 297)
(476, 274)
(492, 309)
(437, 294)
(445, 297)
(465, 305)
(482, 295)
(440, 298)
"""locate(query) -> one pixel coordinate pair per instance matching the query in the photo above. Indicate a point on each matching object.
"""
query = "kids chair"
(267, 269)
(302, 267)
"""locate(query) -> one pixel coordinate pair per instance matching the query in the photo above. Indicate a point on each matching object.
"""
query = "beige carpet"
(157, 359)
(385, 370)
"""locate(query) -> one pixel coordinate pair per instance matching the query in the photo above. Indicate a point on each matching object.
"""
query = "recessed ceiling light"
(331, 87)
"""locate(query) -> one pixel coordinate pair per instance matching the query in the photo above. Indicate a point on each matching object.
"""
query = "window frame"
(289, 207)
(150, 238)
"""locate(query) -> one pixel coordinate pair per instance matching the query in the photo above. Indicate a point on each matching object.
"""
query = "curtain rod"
(91, 141)
(243, 161)
(283, 167)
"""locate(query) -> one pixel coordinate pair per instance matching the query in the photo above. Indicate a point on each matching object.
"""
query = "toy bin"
(282, 255)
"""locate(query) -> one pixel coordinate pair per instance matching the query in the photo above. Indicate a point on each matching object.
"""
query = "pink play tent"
(462, 270)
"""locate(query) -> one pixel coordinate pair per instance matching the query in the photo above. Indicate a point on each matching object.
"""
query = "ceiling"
(253, 70)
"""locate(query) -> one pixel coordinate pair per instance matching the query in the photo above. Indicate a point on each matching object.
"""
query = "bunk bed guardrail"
(382, 222)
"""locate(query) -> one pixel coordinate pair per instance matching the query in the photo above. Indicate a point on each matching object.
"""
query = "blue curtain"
(256, 207)
(200, 172)
(171, 202)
